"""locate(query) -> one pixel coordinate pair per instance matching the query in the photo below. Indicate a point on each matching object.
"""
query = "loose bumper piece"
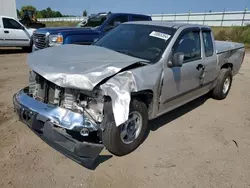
(61, 117)
(47, 122)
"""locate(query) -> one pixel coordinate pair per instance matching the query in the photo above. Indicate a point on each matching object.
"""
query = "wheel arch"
(145, 96)
(227, 66)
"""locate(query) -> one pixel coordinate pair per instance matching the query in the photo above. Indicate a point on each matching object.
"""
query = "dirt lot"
(203, 144)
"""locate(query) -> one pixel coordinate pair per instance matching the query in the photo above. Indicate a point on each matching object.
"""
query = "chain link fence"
(225, 18)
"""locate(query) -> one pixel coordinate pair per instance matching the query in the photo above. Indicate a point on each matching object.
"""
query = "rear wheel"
(125, 138)
(223, 84)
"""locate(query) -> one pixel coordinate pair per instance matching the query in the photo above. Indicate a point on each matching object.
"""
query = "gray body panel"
(83, 67)
(78, 67)
(230, 52)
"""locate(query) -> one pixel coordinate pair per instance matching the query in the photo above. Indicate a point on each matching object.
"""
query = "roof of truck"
(119, 13)
(175, 25)
(6, 17)
(126, 13)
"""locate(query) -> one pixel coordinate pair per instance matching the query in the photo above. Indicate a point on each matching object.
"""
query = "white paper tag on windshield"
(159, 35)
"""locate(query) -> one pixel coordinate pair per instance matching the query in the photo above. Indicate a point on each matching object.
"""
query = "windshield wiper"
(131, 54)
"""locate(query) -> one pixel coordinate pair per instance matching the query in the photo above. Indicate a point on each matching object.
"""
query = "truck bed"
(230, 52)
(224, 46)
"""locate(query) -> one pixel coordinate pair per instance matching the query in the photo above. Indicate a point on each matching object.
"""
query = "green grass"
(235, 34)
(61, 24)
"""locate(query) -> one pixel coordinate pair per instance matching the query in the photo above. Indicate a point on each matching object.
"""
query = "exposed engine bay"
(90, 104)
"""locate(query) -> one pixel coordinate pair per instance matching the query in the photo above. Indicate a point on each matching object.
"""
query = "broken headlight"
(89, 103)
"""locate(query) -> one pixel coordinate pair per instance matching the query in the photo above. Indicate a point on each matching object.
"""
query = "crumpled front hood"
(79, 67)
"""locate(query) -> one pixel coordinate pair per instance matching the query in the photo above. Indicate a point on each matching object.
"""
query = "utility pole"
(223, 17)
(244, 14)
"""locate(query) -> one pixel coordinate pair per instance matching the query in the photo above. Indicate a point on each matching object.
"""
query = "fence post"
(243, 19)
(223, 17)
(204, 17)
(175, 16)
(161, 16)
(189, 15)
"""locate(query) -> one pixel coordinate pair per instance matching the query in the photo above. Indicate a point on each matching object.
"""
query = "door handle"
(200, 66)
(6, 32)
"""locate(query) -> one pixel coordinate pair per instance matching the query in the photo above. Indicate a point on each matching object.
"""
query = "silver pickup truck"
(81, 99)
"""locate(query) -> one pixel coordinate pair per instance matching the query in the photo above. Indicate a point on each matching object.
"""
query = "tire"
(111, 136)
(217, 92)
(27, 49)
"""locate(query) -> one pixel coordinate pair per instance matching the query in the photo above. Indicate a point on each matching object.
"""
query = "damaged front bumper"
(51, 124)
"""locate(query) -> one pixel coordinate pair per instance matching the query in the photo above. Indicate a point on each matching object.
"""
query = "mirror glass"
(176, 60)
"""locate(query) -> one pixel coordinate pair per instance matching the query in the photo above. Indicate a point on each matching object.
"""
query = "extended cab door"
(210, 57)
(182, 84)
(14, 33)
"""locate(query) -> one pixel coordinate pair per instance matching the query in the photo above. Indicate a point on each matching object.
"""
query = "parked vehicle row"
(83, 98)
(14, 34)
(86, 33)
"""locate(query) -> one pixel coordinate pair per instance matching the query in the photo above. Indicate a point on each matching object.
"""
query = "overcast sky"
(75, 7)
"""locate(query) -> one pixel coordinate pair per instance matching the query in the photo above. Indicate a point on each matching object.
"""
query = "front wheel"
(125, 138)
(27, 49)
(223, 84)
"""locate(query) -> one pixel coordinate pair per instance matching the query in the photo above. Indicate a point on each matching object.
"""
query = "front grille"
(40, 40)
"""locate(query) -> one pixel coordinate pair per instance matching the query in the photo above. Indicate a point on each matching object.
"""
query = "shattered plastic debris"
(119, 88)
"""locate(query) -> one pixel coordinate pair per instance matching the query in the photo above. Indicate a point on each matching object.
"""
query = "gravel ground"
(205, 143)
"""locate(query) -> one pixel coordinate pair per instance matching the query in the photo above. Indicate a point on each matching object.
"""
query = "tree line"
(44, 13)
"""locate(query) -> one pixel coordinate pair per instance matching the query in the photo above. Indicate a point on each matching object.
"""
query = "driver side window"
(190, 45)
(11, 24)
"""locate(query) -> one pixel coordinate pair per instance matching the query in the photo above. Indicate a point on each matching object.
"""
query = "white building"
(8, 8)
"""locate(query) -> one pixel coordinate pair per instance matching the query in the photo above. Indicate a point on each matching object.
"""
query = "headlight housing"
(55, 40)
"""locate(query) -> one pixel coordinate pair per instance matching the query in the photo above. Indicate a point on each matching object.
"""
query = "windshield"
(141, 41)
(95, 21)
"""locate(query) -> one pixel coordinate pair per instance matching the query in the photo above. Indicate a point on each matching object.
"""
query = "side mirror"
(176, 60)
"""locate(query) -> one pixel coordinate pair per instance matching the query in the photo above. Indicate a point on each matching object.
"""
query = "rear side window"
(190, 45)
(139, 18)
(208, 43)
(121, 19)
(11, 24)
